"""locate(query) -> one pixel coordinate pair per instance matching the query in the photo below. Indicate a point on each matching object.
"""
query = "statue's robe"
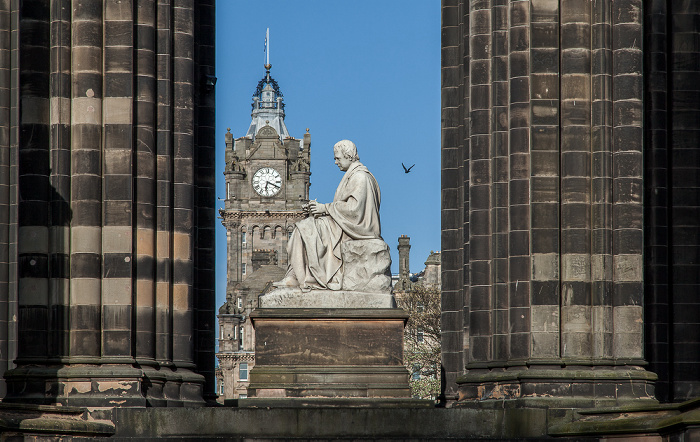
(314, 247)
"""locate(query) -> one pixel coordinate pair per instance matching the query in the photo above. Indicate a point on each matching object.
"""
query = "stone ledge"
(553, 374)
(294, 297)
(566, 387)
(328, 313)
(328, 423)
(633, 420)
(51, 420)
(317, 402)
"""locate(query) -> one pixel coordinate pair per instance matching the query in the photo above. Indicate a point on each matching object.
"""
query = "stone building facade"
(107, 202)
(570, 156)
(267, 181)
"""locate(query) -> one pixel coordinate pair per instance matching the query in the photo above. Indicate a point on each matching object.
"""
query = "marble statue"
(319, 243)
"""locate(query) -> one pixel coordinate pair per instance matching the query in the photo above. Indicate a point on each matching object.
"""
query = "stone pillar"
(116, 173)
(204, 193)
(9, 109)
(552, 178)
(671, 186)
(404, 282)
(404, 252)
(455, 231)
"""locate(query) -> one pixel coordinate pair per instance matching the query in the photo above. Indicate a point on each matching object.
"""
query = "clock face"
(267, 181)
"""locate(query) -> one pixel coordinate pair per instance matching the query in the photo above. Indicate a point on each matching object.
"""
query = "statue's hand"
(317, 209)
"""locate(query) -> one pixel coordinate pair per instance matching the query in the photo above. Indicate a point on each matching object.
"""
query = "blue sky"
(366, 70)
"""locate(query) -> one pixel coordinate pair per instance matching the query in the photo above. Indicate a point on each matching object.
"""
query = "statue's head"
(346, 149)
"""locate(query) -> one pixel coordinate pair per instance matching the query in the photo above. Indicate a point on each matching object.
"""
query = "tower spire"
(268, 101)
(267, 50)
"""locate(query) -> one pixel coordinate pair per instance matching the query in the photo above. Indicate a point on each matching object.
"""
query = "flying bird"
(406, 170)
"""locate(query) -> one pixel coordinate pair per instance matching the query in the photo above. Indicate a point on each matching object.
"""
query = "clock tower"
(267, 182)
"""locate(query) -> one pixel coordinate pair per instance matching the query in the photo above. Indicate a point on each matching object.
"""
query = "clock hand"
(276, 185)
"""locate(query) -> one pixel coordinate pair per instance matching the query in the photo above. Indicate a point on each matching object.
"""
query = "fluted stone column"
(9, 113)
(550, 93)
(454, 198)
(116, 203)
(671, 189)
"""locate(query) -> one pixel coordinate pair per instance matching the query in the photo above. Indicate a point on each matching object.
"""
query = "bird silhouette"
(406, 170)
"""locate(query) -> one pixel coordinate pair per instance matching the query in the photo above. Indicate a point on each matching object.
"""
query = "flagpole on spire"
(267, 50)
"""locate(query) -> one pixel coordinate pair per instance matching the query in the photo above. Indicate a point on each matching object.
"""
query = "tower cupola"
(268, 107)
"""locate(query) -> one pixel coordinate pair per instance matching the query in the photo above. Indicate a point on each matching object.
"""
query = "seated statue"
(314, 249)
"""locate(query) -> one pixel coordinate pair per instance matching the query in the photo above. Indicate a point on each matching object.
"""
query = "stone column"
(9, 114)
(404, 282)
(672, 207)
(404, 256)
(455, 231)
(116, 173)
(204, 13)
(553, 171)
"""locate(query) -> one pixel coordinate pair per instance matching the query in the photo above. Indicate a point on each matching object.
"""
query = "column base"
(570, 386)
(104, 386)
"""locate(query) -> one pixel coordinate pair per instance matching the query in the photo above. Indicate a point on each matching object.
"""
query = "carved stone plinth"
(293, 297)
(333, 352)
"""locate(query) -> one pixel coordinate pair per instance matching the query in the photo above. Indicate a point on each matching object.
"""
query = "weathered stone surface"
(328, 337)
(316, 352)
(373, 422)
(366, 266)
(294, 297)
(106, 208)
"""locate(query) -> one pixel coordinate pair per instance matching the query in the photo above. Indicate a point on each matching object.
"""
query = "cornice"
(243, 356)
(237, 215)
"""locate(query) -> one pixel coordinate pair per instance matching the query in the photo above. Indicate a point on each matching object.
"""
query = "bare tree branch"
(422, 339)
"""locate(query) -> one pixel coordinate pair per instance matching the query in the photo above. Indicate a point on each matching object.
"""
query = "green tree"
(422, 339)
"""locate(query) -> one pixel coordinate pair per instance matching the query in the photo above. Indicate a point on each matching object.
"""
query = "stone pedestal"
(333, 343)
(329, 352)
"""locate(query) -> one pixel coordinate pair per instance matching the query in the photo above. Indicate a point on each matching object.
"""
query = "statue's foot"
(288, 281)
